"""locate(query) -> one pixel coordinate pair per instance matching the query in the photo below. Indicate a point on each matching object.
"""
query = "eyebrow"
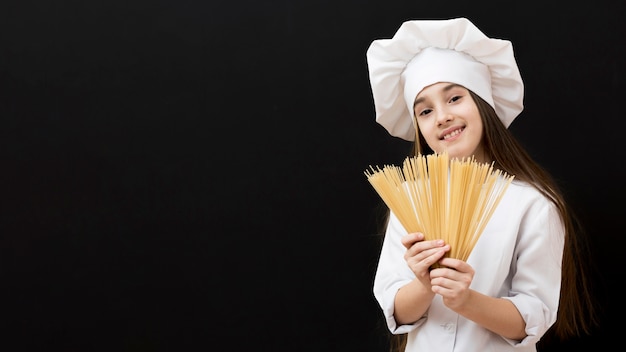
(445, 89)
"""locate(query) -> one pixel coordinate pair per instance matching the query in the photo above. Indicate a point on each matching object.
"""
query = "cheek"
(422, 126)
(426, 130)
(473, 115)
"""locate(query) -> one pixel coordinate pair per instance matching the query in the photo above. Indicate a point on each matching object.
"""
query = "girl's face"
(449, 120)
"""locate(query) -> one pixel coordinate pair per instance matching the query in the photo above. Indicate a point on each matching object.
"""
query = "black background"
(183, 175)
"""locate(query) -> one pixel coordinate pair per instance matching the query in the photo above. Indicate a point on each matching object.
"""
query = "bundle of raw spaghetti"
(442, 198)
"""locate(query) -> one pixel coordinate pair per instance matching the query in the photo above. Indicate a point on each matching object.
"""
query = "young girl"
(446, 86)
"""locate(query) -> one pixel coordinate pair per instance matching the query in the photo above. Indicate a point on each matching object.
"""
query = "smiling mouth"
(452, 134)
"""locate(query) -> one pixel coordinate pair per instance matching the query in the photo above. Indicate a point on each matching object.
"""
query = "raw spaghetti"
(451, 199)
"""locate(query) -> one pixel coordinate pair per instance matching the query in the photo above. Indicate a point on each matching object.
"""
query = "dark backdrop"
(183, 175)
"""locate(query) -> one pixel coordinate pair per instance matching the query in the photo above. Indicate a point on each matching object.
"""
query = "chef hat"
(424, 52)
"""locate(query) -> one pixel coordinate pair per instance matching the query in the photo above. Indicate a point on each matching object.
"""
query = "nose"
(443, 117)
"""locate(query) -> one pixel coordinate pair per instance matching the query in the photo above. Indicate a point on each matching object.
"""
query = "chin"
(452, 153)
(459, 152)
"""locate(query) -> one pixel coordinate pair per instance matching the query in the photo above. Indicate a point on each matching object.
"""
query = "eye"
(455, 98)
(425, 112)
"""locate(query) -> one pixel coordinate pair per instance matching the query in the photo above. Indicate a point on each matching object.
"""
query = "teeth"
(452, 134)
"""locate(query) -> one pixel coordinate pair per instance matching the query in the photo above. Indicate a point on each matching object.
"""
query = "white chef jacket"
(517, 257)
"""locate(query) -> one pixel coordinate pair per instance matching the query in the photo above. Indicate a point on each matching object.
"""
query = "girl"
(446, 86)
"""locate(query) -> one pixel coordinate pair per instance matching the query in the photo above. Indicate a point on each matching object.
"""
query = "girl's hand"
(452, 282)
(420, 254)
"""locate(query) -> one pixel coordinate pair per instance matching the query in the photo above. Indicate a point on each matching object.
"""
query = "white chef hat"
(424, 52)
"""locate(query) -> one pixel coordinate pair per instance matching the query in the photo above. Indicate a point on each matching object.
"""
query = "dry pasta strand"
(451, 199)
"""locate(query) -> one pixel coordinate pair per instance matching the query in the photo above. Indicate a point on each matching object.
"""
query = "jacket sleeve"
(536, 283)
(391, 274)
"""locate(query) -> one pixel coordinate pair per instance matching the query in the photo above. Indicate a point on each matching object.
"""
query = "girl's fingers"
(410, 239)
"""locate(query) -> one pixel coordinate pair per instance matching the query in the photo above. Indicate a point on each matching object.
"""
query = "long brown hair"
(576, 314)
